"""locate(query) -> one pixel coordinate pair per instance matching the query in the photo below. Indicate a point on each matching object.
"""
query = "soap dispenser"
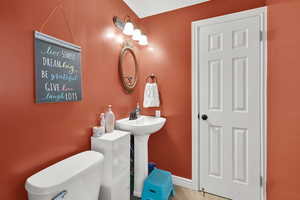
(109, 120)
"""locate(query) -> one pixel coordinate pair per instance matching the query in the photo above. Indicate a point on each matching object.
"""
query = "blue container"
(158, 186)
(151, 167)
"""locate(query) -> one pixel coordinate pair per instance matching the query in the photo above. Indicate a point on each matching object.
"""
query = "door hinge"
(261, 35)
(261, 180)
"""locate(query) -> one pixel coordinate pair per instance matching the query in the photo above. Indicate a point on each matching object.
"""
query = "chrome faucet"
(135, 113)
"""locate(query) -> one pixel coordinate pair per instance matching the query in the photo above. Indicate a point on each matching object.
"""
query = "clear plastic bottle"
(109, 120)
(138, 110)
(102, 123)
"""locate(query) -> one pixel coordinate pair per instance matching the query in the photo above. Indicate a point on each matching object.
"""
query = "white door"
(229, 107)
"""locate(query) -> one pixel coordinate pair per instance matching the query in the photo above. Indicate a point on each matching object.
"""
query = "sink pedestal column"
(140, 163)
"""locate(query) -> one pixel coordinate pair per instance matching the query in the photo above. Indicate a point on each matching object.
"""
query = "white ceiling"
(145, 8)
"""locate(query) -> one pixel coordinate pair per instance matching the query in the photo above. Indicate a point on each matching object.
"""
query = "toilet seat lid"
(53, 178)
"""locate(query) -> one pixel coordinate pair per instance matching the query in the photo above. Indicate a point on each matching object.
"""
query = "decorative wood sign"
(57, 70)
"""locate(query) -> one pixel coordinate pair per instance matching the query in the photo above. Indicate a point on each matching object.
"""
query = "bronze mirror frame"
(128, 87)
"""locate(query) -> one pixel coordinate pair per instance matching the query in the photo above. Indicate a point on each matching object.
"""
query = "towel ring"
(152, 77)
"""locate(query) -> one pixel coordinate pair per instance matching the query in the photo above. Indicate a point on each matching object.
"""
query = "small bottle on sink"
(109, 120)
(102, 123)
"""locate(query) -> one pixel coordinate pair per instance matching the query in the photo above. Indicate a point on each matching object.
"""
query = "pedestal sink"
(141, 128)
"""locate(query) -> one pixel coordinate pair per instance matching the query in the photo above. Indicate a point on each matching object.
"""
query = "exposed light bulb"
(128, 28)
(137, 34)
(143, 40)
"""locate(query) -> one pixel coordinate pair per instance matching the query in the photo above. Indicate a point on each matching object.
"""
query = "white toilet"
(75, 178)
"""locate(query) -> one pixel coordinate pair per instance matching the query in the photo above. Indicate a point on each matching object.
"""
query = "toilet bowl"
(75, 178)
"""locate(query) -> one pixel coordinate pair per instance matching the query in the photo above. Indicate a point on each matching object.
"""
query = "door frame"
(196, 25)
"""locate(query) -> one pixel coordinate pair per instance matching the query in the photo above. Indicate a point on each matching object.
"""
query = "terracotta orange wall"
(35, 136)
(170, 37)
(283, 99)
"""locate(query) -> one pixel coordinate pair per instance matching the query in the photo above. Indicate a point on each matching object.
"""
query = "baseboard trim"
(183, 182)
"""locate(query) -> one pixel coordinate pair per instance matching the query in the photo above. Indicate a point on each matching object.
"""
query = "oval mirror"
(128, 68)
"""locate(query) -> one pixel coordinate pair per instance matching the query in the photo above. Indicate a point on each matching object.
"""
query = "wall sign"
(57, 70)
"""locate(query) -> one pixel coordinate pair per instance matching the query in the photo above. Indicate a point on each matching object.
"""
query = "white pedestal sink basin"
(141, 128)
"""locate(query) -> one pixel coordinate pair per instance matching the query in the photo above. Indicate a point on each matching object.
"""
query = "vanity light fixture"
(137, 34)
(127, 27)
(143, 40)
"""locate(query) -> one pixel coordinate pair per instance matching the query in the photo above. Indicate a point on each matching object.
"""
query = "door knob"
(204, 117)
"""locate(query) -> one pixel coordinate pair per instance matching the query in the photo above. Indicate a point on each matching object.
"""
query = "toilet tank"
(75, 178)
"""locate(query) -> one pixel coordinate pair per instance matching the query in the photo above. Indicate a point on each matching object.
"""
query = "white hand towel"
(151, 95)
